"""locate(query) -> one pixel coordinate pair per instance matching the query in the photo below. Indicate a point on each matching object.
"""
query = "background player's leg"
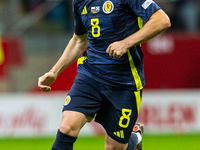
(111, 144)
(72, 122)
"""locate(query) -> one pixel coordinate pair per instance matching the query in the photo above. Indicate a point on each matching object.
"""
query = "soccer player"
(110, 77)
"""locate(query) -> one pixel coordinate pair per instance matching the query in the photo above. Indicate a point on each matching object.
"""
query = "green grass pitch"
(150, 142)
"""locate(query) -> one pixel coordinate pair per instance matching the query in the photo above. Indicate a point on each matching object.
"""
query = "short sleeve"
(79, 28)
(142, 8)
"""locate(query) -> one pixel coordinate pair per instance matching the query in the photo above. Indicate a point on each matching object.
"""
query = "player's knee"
(115, 147)
(69, 129)
(110, 147)
(111, 144)
(65, 128)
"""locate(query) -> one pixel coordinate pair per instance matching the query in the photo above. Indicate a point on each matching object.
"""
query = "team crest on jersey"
(95, 9)
(67, 100)
(108, 7)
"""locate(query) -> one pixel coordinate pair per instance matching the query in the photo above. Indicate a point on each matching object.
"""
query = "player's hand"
(45, 81)
(117, 49)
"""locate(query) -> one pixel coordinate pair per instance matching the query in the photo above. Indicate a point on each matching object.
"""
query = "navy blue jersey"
(107, 21)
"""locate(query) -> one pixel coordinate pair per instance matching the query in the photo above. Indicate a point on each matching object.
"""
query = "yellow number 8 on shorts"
(125, 116)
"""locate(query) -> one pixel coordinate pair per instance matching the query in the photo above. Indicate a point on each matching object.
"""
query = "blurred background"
(33, 35)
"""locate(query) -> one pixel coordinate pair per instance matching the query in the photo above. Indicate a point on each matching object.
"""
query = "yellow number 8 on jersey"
(95, 27)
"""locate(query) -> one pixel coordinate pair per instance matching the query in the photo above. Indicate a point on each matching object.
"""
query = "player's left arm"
(158, 22)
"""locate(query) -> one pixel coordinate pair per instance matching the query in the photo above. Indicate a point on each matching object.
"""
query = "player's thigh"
(81, 104)
(111, 144)
(72, 122)
(84, 96)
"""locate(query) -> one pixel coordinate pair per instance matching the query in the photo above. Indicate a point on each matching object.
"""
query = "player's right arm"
(74, 48)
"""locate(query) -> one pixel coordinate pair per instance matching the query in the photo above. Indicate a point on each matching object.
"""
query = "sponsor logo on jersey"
(147, 3)
(95, 9)
(108, 7)
(84, 11)
(67, 100)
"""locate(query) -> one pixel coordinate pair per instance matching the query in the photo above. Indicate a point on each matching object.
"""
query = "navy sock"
(63, 142)
(132, 143)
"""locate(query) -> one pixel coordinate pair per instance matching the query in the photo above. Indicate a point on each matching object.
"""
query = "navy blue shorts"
(116, 109)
